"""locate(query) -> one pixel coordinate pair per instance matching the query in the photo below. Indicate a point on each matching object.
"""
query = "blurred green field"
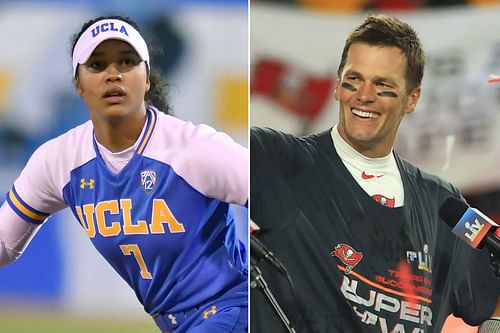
(32, 322)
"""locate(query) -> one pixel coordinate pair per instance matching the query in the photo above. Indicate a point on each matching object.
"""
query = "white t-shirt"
(379, 177)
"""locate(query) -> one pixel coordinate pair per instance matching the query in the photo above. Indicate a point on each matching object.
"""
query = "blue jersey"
(163, 222)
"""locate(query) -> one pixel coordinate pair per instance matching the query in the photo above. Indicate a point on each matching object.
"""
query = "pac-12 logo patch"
(349, 256)
(148, 180)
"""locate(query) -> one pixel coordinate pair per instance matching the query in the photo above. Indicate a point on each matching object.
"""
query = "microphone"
(470, 225)
(258, 251)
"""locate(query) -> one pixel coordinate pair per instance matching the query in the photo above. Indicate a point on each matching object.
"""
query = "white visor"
(104, 30)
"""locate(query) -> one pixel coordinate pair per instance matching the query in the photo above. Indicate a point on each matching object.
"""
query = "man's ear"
(413, 99)
(148, 83)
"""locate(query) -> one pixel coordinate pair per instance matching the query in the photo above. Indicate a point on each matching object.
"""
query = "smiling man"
(356, 225)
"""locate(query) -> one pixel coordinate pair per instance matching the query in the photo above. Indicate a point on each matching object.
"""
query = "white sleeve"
(210, 161)
(37, 191)
(219, 167)
(15, 234)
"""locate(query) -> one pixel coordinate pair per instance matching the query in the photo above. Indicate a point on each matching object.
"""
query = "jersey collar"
(150, 125)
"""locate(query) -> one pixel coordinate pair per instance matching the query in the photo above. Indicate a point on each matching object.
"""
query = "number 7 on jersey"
(134, 249)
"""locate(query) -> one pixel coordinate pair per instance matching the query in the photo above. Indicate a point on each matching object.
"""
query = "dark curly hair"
(156, 96)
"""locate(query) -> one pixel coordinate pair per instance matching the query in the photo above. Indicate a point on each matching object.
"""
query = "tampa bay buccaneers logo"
(384, 201)
(349, 256)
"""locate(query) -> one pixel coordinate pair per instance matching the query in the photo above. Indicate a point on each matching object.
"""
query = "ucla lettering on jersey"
(161, 221)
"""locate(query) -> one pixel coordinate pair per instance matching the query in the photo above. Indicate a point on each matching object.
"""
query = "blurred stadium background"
(295, 48)
(61, 284)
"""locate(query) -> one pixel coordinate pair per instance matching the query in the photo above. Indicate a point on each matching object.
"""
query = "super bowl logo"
(148, 181)
(423, 258)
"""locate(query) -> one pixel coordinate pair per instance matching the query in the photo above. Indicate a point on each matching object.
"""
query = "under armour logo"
(172, 318)
(90, 183)
(213, 311)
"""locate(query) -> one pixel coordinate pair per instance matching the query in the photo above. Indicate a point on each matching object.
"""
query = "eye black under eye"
(387, 94)
(348, 86)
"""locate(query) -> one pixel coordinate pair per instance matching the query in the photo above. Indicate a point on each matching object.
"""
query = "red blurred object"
(295, 90)
(405, 277)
